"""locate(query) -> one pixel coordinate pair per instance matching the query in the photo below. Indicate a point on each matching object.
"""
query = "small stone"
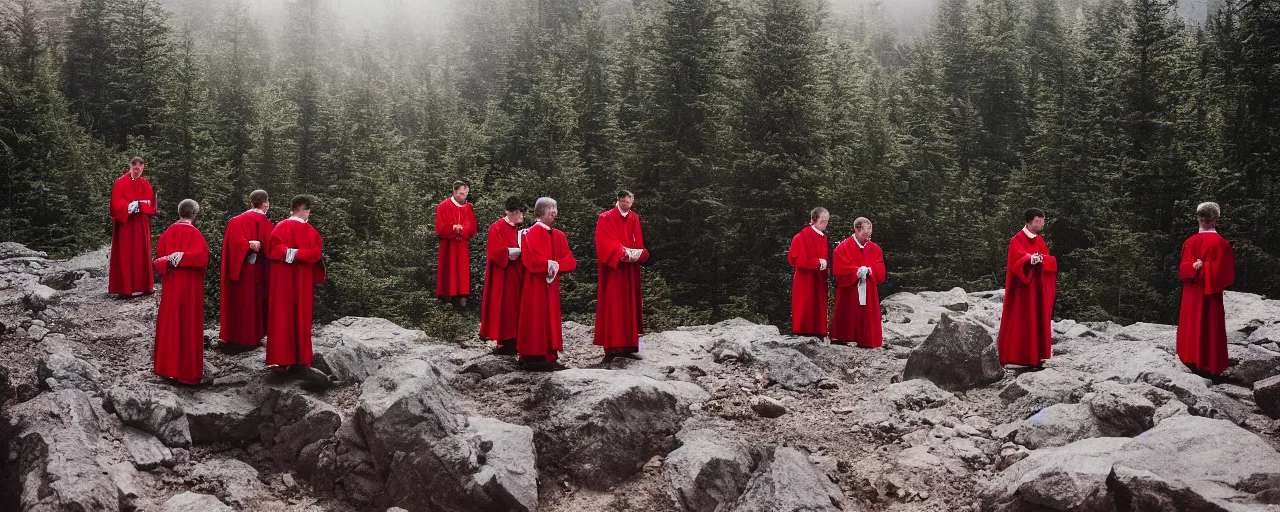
(768, 407)
(289, 483)
(828, 384)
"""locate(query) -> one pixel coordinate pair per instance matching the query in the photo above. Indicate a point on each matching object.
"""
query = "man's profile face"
(1036, 225)
(823, 220)
(863, 233)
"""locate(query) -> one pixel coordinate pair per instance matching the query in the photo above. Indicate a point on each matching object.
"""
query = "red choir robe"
(291, 291)
(453, 273)
(503, 277)
(1026, 333)
(854, 322)
(539, 334)
(130, 270)
(808, 285)
(619, 313)
(1202, 327)
(179, 349)
(242, 316)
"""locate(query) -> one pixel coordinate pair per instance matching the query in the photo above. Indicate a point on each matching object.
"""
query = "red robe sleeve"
(1186, 268)
(310, 253)
(148, 208)
(844, 267)
(496, 246)
(1219, 269)
(535, 253)
(609, 248)
(1019, 260)
(878, 272)
(470, 227)
(119, 204)
(235, 248)
(280, 240)
(445, 222)
(798, 257)
(196, 253)
(644, 253)
(566, 260)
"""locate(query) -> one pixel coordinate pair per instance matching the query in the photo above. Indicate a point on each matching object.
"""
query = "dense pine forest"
(729, 119)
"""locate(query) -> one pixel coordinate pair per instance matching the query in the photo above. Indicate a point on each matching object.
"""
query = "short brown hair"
(137, 160)
(301, 201)
(257, 197)
(460, 184)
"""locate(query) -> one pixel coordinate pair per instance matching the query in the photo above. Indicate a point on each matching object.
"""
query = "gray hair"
(1209, 212)
(188, 209)
(542, 206)
(859, 222)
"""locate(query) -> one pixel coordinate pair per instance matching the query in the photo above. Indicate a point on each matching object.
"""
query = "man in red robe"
(545, 256)
(243, 312)
(294, 253)
(179, 349)
(619, 252)
(503, 276)
(1030, 283)
(132, 205)
(808, 254)
(858, 266)
(1207, 268)
(455, 224)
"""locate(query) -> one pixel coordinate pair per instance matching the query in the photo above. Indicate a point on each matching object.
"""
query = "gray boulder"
(1120, 410)
(1250, 363)
(790, 369)
(708, 472)
(1058, 425)
(353, 348)
(1266, 393)
(1067, 478)
(1031, 391)
(60, 369)
(788, 482)
(232, 481)
(52, 440)
(957, 356)
(227, 416)
(146, 451)
(150, 410)
(193, 502)
(600, 427)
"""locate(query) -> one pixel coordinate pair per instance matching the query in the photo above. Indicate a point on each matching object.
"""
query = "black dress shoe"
(502, 350)
(632, 355)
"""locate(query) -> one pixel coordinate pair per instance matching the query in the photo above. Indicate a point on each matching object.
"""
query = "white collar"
(1211, 230)
(539, 223)
(185, 221)
(1028, 232)
(860, 244)
(508, 221)
(624, 214)
(297, 219)
(815, 230)
(255, 210)
(455, 202)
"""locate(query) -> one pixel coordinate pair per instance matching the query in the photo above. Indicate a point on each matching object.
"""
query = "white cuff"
(290, 255)
(513, 253)
(134, 208)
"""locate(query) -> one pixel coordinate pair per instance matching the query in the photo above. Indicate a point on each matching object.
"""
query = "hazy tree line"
(729, 119)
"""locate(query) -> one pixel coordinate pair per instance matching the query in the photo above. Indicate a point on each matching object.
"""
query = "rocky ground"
(727, 417)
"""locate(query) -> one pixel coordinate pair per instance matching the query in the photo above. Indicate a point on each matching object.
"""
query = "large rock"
(1058, 425)
(1031, 391)
(227, 416)
(232, 481)
(414, 429)
(1266, 393)
(11, 250)
(1120, 410)
(151, 410)
(957, 356)
(790, 369)
(1184, 463)
(708, 472)
(353, 348)
(788, 482)
(146, 451)
(1249, 364)
(601, 426)
(193, 502)
(292, 421)
(914, 395)
(60, 369)
(40, 297)
(1069, 478)
(54, 437)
